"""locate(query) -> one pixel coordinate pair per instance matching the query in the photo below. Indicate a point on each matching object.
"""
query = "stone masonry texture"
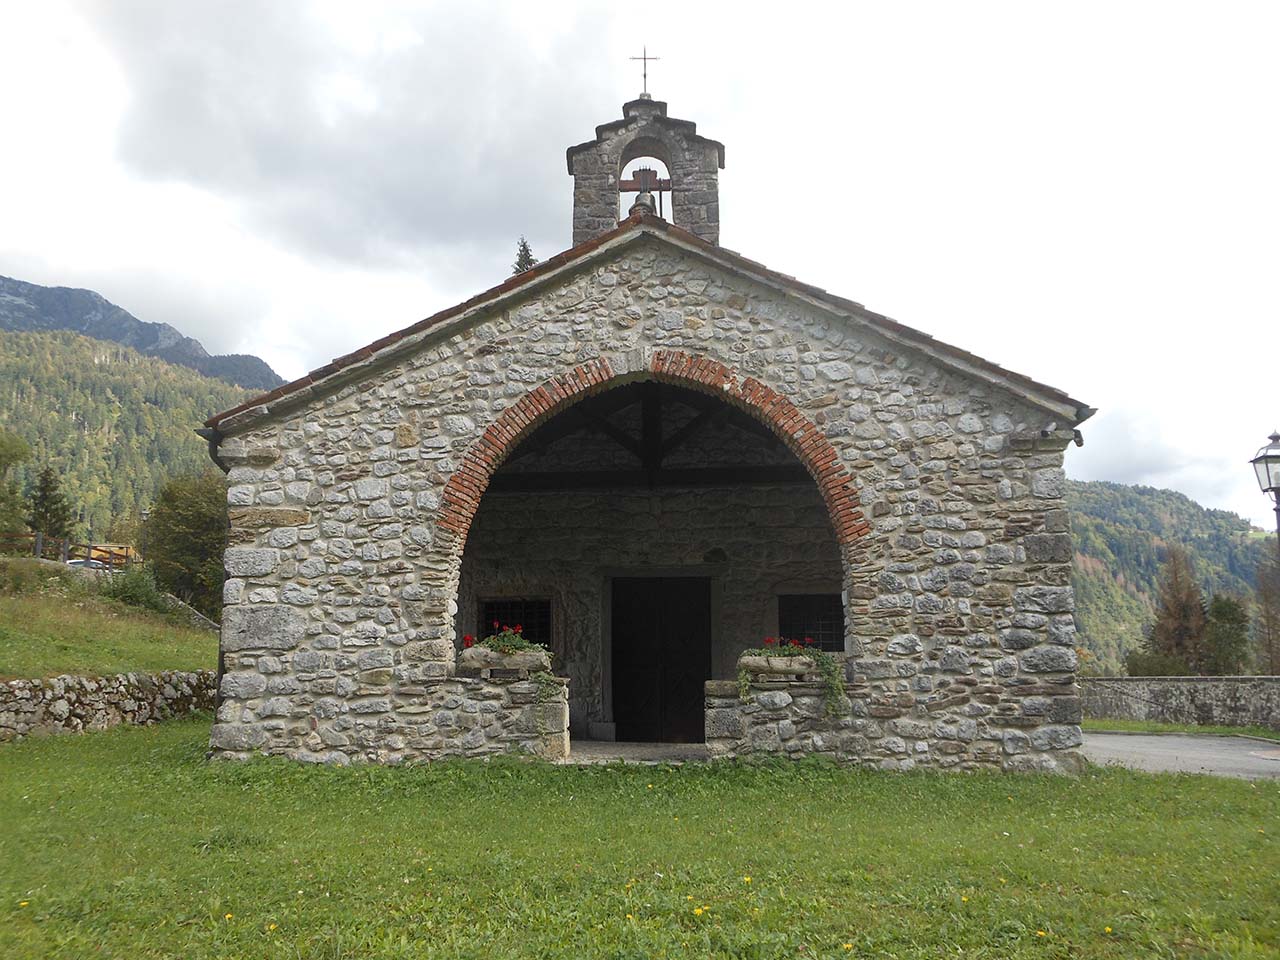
(942, 492)
(1225, 701)
(69, 704)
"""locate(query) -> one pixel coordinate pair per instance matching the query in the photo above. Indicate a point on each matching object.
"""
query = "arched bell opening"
(645, 169)
(649, 533)
(645, 175)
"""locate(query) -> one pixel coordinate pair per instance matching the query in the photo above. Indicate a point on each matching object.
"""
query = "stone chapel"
(651, 453)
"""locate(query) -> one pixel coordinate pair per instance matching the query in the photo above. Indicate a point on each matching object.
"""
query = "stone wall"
(464, 716)
(754, 543)
(74, 704)
(786, 717)
(351, 501)
(790, 717)
(1223, 701)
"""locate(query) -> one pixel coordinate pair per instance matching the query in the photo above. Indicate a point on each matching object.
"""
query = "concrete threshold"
(585, 752)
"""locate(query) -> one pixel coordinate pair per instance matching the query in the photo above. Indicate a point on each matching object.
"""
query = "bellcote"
(646, 132)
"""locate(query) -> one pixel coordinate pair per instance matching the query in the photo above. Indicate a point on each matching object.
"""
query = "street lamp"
(1267, 466)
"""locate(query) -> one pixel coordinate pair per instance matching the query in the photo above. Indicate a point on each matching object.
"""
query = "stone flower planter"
(777, 666)
(482, 658)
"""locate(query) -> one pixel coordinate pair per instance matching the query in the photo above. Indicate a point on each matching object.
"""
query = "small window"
(533, 616)
(819, 616)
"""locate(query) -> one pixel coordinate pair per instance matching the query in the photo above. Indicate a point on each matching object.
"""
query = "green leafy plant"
(506, 639)
(136, 586)
(829, 668)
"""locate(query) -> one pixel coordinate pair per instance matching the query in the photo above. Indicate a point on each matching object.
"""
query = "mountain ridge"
(32, 308)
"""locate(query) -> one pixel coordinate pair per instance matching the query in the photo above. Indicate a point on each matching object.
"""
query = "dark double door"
(661, 657)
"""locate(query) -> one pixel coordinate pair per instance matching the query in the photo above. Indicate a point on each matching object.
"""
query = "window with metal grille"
(819, 616)
(533, 616)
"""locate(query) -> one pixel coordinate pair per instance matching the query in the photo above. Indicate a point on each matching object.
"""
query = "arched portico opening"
(649, 527)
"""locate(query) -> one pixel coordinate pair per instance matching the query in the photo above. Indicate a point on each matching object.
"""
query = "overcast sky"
(1087, 193)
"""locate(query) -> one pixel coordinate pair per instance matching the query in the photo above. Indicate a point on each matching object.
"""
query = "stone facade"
(694, 163)
(1224, 701)
(69, 704)
(353, 493)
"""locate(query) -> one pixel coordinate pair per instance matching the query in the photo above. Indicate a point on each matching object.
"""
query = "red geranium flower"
(808, 641)
(768, 641)
(519, 628)
(468, 640)
(495, 624)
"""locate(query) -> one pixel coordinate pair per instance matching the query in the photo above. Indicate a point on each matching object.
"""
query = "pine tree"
(50, 512)
(1266, 625)
(1226, 637)
(525, 260)
(1178, 632)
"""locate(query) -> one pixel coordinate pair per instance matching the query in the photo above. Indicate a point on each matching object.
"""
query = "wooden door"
(661, 657)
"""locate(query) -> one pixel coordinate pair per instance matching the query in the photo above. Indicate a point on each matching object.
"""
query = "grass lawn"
(1150, 726)
(52, 623)
(128, 844)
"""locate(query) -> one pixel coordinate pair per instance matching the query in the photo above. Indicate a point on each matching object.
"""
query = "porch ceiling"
(648, 434)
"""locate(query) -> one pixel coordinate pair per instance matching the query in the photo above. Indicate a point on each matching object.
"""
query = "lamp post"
(1267, 466)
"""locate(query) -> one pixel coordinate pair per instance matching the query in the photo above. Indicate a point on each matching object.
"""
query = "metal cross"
(645, 59)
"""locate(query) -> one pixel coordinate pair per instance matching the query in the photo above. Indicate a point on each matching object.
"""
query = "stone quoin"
(656, 452)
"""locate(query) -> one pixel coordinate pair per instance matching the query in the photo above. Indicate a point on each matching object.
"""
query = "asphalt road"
(1173, 753)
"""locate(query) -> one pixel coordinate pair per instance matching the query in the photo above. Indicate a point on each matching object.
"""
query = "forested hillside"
(114, 423)
(1120, 533)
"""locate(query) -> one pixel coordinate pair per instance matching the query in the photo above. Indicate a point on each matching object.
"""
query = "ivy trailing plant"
(828, 668)
(506, 639)
(548, 686)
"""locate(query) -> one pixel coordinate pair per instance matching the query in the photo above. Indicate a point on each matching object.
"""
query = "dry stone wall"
(69, 704)
(350, 510)
(791, 717)
(1226, 701)
(464, 716)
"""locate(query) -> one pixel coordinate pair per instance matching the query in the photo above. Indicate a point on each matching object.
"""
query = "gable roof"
(634, 227)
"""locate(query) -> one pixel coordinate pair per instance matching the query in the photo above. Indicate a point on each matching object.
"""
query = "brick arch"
(462, 493)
